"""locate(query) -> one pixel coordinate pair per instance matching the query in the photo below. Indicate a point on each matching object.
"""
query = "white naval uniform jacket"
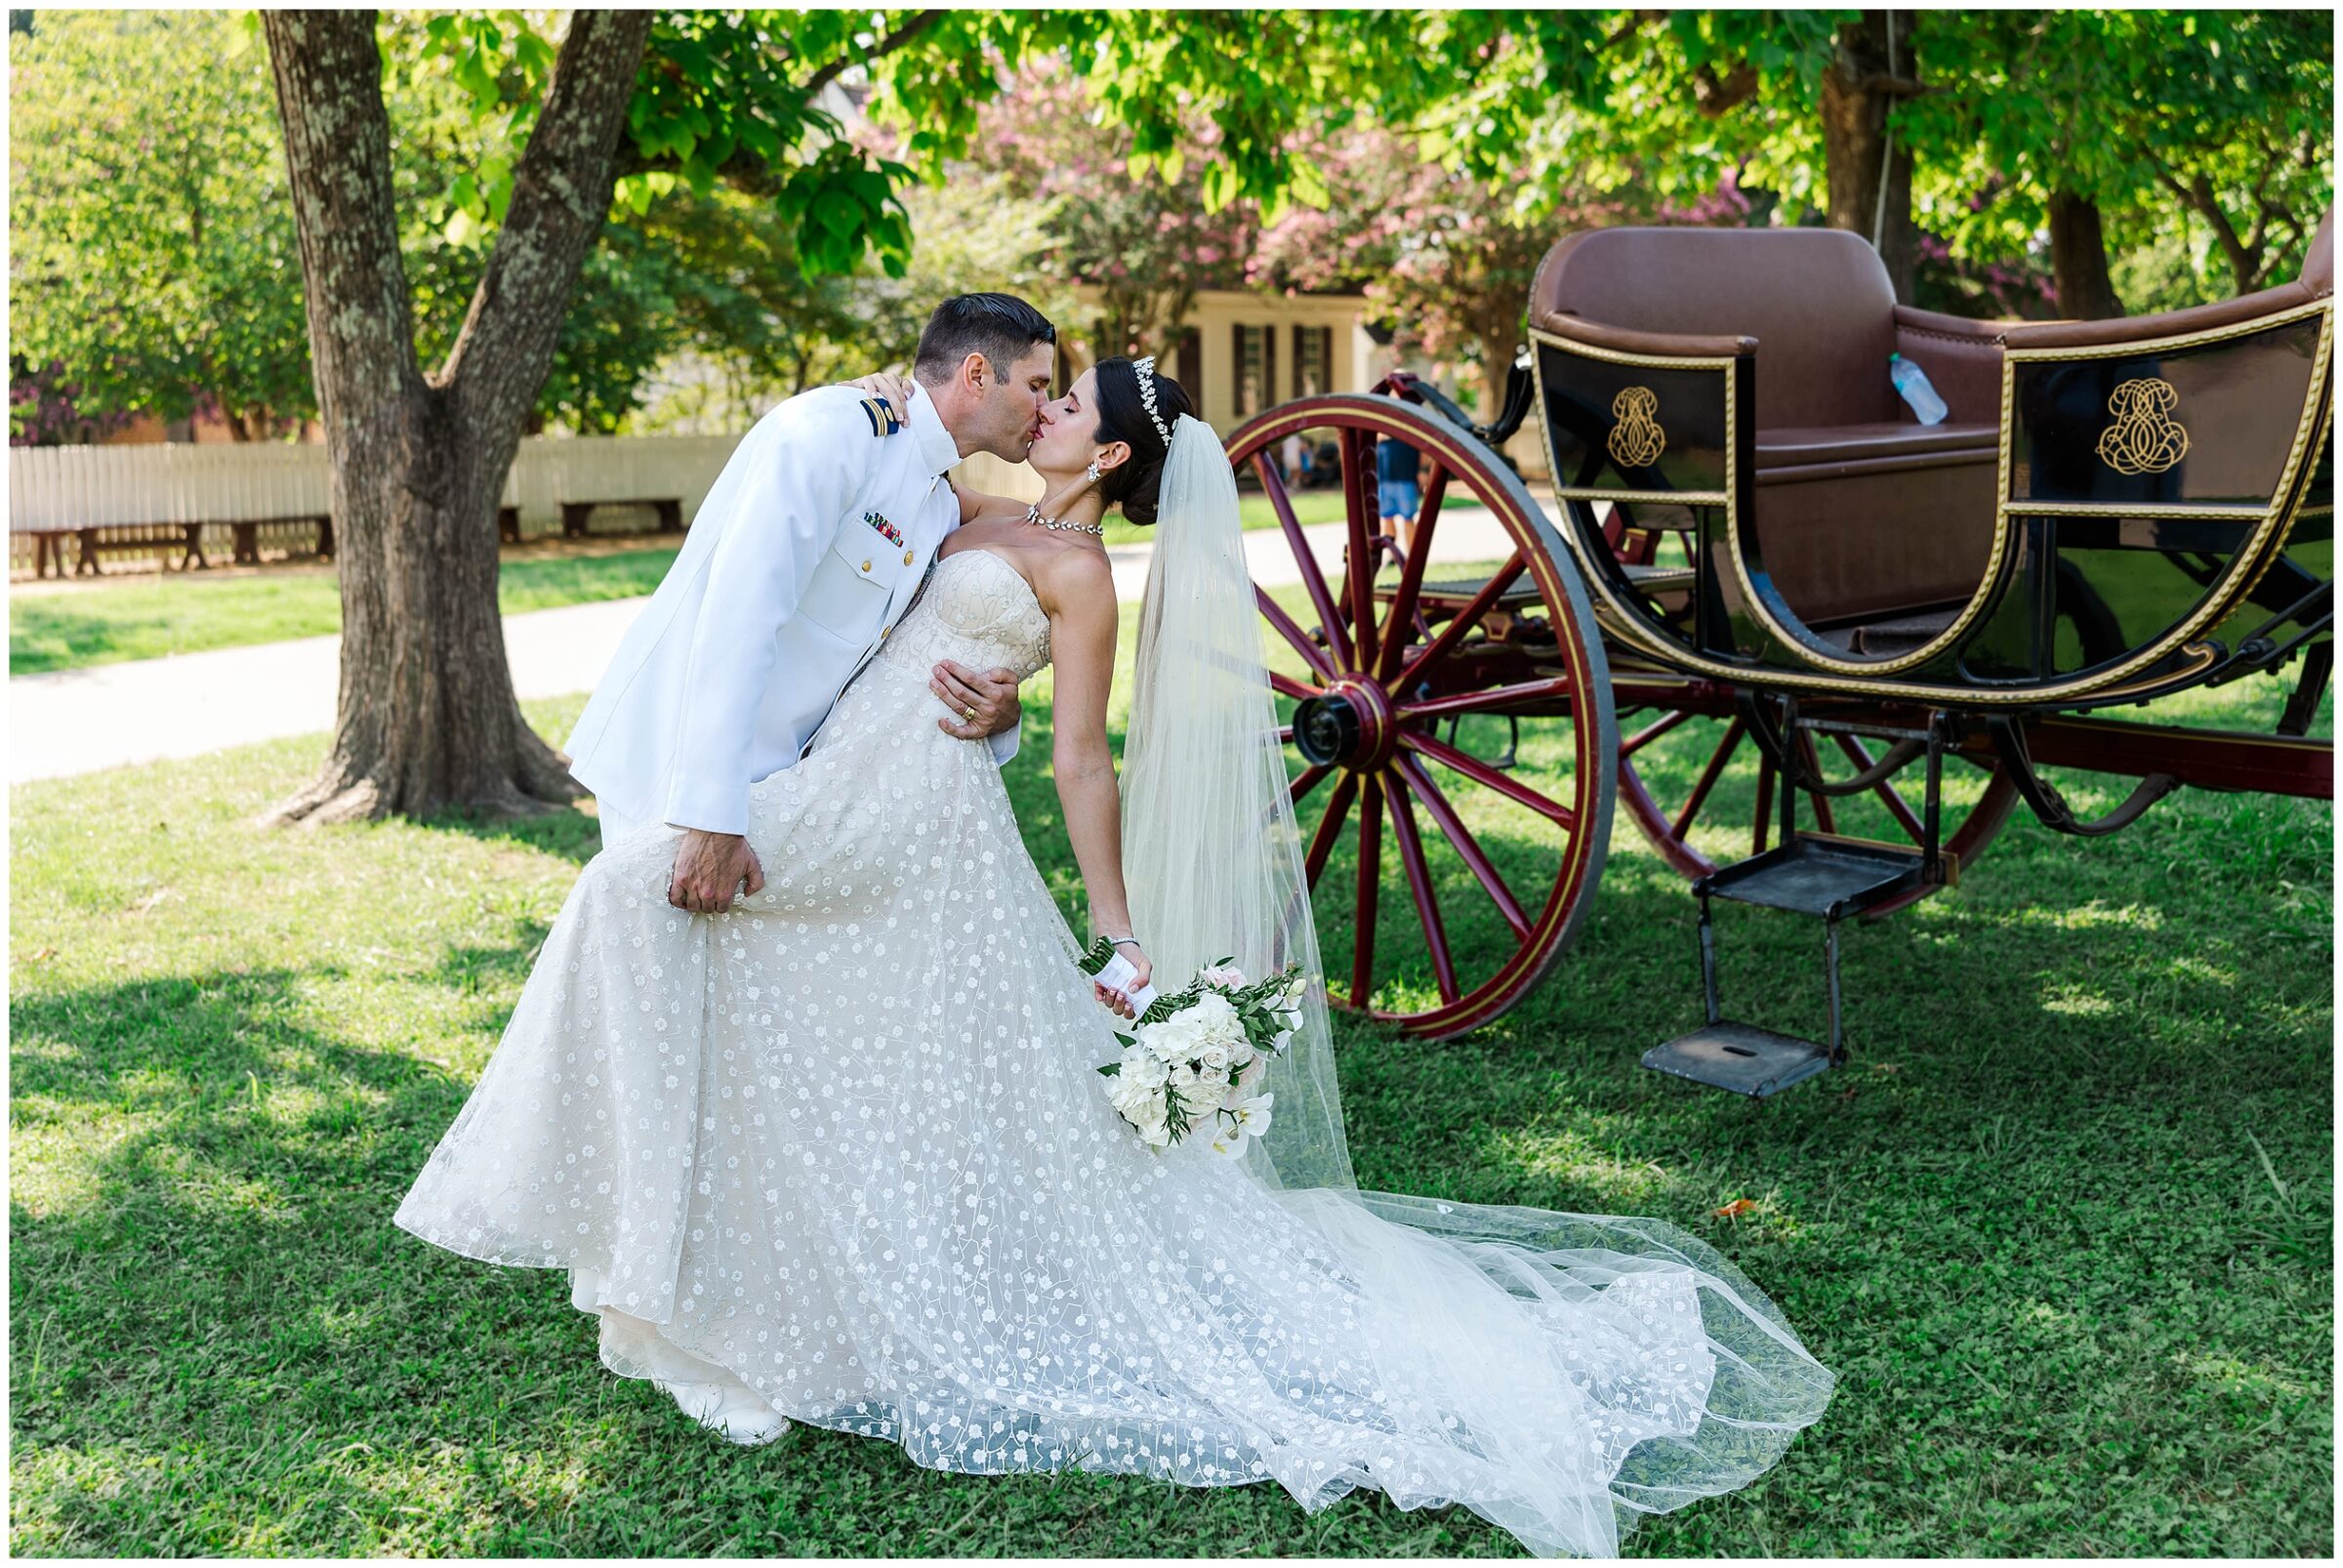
(784, 586)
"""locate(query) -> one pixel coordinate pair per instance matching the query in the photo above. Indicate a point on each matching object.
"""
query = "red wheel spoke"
(1467, 619)
(1312, 654)
(1310, 779)
(1860, 755)
(1764, 826)
(1361, 551)
(1481, 774)
(1329, 828)
(1400, 621)
(1371, 871)
(1273, 484)
(1822, 812)
(1285, 685)
(1725, 748)
(1412, 776)
(1644, 737)
(1494, 699)
(1420, 882)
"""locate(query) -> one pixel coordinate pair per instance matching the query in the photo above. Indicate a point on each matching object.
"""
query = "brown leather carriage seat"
(1862, 512)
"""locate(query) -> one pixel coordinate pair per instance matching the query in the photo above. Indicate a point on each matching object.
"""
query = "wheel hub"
(1348, 725)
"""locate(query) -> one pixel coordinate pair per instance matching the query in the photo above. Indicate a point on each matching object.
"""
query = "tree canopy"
(155, 264)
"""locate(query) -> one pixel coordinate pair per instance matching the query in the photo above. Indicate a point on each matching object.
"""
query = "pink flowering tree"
(1143, 240)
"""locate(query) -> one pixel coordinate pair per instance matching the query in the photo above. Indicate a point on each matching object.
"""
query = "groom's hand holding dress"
(711, 869)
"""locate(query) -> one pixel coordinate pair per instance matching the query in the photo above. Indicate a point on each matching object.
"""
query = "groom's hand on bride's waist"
(981, 704)
(710, 869)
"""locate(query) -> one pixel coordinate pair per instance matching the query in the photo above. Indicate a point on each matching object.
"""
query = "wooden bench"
(575, 513)
(186, 539)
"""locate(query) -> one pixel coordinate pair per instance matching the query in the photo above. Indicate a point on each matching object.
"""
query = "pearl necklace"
(1033, 514)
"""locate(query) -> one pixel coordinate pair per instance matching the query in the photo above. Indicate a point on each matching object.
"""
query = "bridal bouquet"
(1196, 1057)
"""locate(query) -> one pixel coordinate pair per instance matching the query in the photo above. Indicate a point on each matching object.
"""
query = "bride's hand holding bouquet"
(1196, 1059)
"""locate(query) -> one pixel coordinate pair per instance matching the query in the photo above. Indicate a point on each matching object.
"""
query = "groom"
(805, 555)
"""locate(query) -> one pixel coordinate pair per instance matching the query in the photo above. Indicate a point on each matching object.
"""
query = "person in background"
(1296, 456)
(1395, 471)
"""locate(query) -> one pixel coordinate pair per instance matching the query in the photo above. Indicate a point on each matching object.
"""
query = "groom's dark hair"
(999, 326)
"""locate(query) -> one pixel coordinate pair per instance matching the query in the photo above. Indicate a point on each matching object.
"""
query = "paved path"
(79, 721)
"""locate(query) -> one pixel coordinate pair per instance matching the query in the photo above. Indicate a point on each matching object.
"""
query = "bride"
(841, 1154)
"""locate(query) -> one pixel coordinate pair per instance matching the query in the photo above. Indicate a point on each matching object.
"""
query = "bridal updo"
(1123, 417)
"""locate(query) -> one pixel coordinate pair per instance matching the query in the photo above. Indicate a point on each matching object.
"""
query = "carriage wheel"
(1689, 768)
(1394, 678)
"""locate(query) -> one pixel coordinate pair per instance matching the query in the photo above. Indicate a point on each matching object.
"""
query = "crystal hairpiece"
(1145, 370)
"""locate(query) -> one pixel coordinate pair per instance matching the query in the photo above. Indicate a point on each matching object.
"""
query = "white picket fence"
(52, 487)
(95, 486)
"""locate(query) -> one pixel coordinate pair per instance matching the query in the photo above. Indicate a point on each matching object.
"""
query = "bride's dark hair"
(1123, 417)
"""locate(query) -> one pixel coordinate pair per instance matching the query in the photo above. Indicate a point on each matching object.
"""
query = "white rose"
(1155, 1134)
(1216, 1059)
(1228, 975)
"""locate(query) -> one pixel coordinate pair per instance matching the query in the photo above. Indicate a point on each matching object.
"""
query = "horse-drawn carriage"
(1761, 555)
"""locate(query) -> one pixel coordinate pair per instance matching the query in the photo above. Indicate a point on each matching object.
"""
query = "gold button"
(866, 565)
(907, 557)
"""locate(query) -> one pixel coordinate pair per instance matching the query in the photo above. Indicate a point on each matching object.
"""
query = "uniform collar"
(937, 449)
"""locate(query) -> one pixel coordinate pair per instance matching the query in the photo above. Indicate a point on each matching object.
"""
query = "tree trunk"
(1873, 65)
(2079, 260)
(1499, 335)
(426, 720)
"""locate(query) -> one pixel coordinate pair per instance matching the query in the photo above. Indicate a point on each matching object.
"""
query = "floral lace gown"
(846, 1144)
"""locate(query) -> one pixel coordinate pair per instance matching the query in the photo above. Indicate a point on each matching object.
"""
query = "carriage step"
(1820, 873)
(1740, 1057)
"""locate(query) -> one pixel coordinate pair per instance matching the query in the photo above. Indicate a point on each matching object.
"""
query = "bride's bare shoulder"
(1073, 575)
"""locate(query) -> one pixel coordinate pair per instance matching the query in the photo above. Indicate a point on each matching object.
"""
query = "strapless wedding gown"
(843, 1149)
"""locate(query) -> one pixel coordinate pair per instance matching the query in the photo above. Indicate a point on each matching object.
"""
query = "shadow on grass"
(222, 1343)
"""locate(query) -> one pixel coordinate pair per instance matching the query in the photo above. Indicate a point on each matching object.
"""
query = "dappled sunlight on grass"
(2082, 1003)
(2083, 916)
(1569, 1157)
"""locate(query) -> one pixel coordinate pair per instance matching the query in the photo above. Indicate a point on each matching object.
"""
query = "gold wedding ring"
(971, 717)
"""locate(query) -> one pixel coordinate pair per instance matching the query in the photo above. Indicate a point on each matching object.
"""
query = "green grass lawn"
(148, 617)
(2062, 1227)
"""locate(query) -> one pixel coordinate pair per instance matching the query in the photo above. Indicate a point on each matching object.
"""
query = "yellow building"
(1241, 352)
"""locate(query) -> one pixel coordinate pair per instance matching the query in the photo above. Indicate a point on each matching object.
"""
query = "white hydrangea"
(1215, 1019)
(1175, 1039)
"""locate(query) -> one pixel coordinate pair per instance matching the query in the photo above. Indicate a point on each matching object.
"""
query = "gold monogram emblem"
(1636, 440)
(2145, 439)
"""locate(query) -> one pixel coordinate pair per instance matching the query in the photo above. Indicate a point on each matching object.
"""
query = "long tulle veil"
(1210, 854)
(1213, 861)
